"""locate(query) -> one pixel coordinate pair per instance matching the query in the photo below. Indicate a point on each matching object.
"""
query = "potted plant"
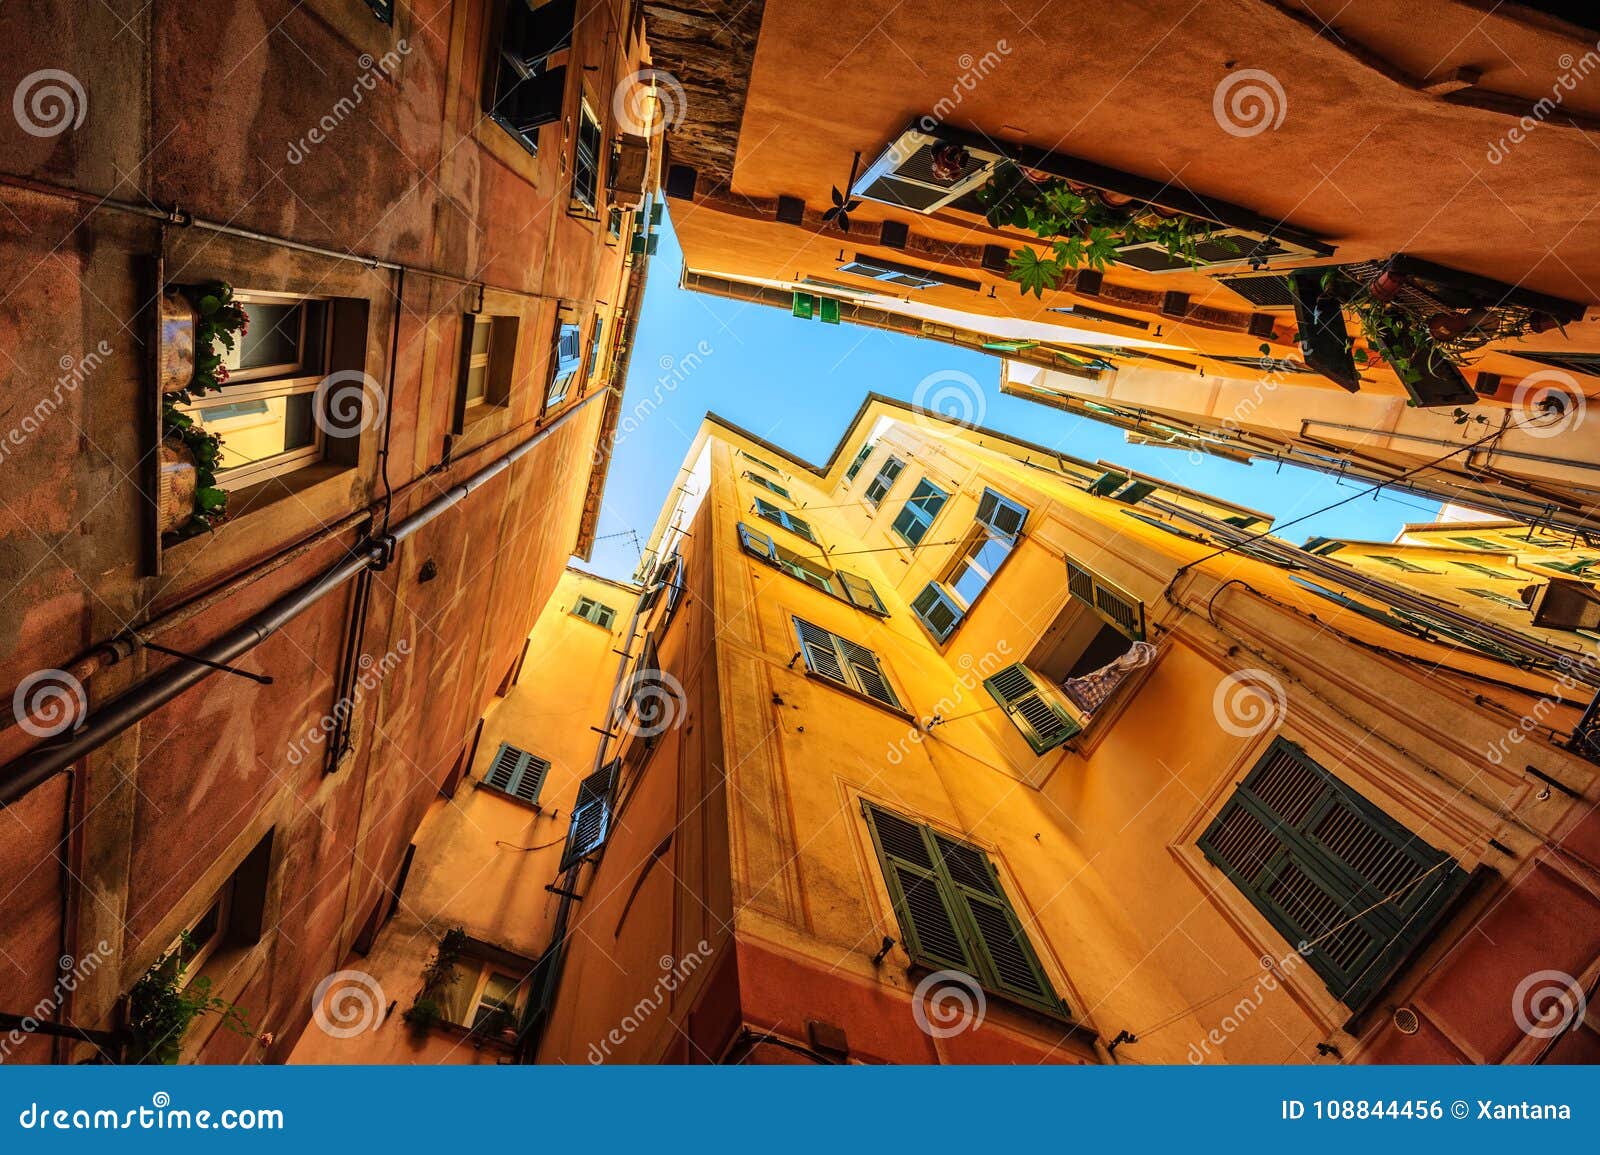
(161, 1008)
(200, 324)
(1085, 226)
(427, 1009)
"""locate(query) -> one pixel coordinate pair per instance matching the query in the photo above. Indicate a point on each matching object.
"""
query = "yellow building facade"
(950, 749)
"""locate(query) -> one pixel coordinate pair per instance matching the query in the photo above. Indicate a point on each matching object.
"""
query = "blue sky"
(796, 383)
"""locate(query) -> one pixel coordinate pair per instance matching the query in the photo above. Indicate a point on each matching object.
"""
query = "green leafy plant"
(437, 977)
(1398, 336)
(1084, 228)
(161, 1008)
(220, 322)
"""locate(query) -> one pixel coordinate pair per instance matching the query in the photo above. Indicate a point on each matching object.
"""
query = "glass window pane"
(480, 335)
(253, 431)
(477, 383)
(273, 339)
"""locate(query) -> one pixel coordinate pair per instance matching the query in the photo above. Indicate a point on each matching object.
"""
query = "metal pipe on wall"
(21, 775)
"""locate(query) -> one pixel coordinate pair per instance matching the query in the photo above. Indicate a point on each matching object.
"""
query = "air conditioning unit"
(630, 161)
(1564, 604)
(903, 176)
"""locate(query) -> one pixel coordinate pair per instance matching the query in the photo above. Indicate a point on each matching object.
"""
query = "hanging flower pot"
(1387, 285)
(177, 341)
(179, 480)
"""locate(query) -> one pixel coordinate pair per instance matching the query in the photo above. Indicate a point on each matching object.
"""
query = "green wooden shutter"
(1121, 610)
(862, 664)
(517, 772)
(1107, 482)
(757, 543)
(952, 911)
(1329, 869)
(860, 593)
(1002, 515)
(861, 459)
(927, 921)
(849, 664)
(590, 821)
(769, 485)
(938, 610)
(1011, 964)
(821, 657)
(1032, 707)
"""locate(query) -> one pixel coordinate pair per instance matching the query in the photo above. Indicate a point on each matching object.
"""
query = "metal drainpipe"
(1490, 450)
(20, 776)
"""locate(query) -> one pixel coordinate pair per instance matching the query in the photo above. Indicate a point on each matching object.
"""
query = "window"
(904, 276)
(943, 604)
(953, 912)
(1486, 571)
(848, 587)
(1579, 568)
(844, 663)
(1498, 599)
(1475, 542)
(878, 488)
(1122, 611)
(753, 459)
(565, 357)
(517, 773)
(485, 997)
(382, 10)
(1330, 870)
(597, 328)
(769, 485)
(590, 820)
(1401, 564)
(586, 158)
(1033, 707)
(860, 460)
(592, 611)
(230, 924)
(266, 412)
(488, 355)
(917, 515)
(788, 520)
(526, 92)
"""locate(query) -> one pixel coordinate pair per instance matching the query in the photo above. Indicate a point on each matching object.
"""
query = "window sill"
(495, 791)
(249, 503)
(475, 1038)
(897, 711)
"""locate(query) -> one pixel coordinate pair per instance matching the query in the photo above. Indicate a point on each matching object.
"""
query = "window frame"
(899, 467)
(587, 117)
(959, 899)
(1015, 706)
(768, 484)
(1343, 884)
(269, 383)
(862, 456)
(558, 386)
(850, 680)
(600, 610)
(921, 515)
(798, 526)
(517, 766)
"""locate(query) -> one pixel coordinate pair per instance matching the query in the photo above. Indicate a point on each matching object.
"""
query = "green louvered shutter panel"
(861, 459)
(590, 820)
(1002, 944)
(1125, 613)
(821, 657)
(937, 610)
(1103, 485)
(862, 665)
(757, 543)
(860, 592)
(1328, 868)
(1002, 515)
(517, 772)
(927, 921)
(1134, 492)
(1029, 705)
